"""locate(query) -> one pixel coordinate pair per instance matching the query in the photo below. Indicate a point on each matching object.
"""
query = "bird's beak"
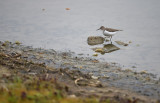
(97, 29)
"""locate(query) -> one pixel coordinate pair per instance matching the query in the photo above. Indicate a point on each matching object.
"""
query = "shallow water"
(49, 25)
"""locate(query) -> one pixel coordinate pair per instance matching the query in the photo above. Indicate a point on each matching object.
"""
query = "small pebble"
(94, 77)
(95, 54)
(72, 96)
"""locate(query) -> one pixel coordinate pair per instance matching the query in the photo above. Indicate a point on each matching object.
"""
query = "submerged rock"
(94, 40)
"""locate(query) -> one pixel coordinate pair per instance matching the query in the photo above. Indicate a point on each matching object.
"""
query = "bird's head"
(101, 28)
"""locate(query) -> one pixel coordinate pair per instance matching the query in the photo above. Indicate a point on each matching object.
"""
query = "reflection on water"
(121, 43)
(48, 24)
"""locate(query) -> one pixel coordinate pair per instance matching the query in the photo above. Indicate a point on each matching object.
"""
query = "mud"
(84, 76)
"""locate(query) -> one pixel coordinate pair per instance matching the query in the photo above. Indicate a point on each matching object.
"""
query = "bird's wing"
(112, 30)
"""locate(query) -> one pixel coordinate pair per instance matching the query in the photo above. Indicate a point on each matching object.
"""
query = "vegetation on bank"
(31, 89)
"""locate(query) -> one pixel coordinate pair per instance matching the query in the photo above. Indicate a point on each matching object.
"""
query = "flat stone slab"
(110, 48)
(106, 48)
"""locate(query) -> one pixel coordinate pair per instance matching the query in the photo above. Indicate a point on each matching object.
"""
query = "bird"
(109, 32)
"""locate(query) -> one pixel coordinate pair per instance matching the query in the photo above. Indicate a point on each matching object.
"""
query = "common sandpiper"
(109, 32)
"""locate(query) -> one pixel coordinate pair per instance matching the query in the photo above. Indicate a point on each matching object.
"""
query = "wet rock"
(99, 50)
(95, 54)
(128, 70)
(110, 48)
(130, 42)
(106, 49)
(94, 40)
(81, 82)
(133, 66)
(143, 72)
(15, 54)
(95, 61)
(106, 76)
(88, 82)
(81, 54)
(6, 43)
(94, 77)
(17, 42)
(72, 96)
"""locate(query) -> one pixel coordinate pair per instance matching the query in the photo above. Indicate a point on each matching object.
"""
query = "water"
(46, 24)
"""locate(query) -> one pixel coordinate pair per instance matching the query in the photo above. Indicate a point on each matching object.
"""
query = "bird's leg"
(111, 39)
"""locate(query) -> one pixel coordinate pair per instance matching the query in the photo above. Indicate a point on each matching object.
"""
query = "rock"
(17, 42)
(88, 82)
(72, 96)
(6, 43)
(94, 40)
(81, 67)
(81, 54)
(133, 66)
(94, 77)
(130, 42)
(143, 72)
(121, 43)
(99, 50)
(105, 76)
(95, 61)
(128, 70)
(110, 48)
(95, 54)
(106, 49)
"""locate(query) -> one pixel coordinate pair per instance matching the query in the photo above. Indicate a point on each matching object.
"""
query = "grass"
(27, 89)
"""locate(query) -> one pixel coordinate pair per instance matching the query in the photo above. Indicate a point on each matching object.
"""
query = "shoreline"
(84, 76)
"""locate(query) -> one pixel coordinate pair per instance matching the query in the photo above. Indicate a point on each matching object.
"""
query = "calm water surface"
(46, 24)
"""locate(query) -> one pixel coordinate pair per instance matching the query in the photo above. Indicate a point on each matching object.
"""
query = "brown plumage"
(108, 29)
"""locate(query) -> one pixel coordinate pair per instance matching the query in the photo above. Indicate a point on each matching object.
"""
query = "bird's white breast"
(107, 33)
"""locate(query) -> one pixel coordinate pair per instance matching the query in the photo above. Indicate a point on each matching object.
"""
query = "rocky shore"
(74, 78)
